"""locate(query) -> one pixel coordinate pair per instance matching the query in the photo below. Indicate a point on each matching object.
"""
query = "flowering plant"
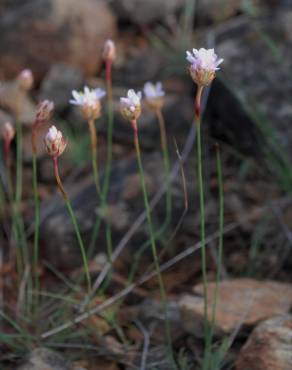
(204, 64)
(131, 105)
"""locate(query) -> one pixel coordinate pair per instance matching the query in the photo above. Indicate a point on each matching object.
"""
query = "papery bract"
(89, 101)
(204, 64)
(55, 143)
(131, 105)
(109, 50)
(8, 132)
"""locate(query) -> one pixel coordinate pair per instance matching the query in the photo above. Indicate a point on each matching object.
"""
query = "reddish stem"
(108, 78)
(58, 179)
(135, 127)
(198, 103)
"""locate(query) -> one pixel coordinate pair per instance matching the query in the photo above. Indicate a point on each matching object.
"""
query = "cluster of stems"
(152, 239)
(103, 191)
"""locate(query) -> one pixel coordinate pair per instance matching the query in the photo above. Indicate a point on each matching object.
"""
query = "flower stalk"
(152, 237)
(55, 145)
(154, 96)
(164, 148)
(221, 234)
(109, 55)
(202, 204)
(131, 109)
(43, 114)
(203, 66)
(90, 107)
(93, 139)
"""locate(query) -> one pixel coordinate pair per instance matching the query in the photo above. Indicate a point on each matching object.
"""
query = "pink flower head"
(44, 111)
(204, 64)
(131, 105)
(8, 132)
(89, 102)
(25, 79)
(55, 143)
(109, 50)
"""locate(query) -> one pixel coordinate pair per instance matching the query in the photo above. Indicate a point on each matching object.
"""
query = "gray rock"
(39, 33)
(255, 82)
(59, 83)
(44, 359)
(145, 65)
(242, 302)
(269, 346)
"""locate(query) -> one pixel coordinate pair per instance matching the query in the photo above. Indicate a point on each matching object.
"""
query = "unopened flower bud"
(204, 64)
(131, 105)
(45, 111)
(8, 132)
(25, 79)
(89, 102)
(55, 143)
(154, 95)
(109, 50)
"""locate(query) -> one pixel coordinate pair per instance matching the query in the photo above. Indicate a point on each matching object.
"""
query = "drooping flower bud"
(89, 102)
(154, 95)
(25, 79)
(204, 64)
(44, 111)
(8, 132)
(131, 105)
(109, 50)
(55, 143)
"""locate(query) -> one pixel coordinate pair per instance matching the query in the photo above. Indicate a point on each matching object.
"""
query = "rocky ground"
(247, 111)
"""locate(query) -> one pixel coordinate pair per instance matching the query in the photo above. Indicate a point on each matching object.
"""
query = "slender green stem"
(168, 199)
(18, 187)
(110, 114)
(202, 221)
(164, 148)
(221, 233)
(36, 222)
(202, 214)
(16, 230)
(102, 194)
(18, 194)
(74, 222)
(105, 187)
(16, 204)
(94, 235)
(93, 138)
(152, 239)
